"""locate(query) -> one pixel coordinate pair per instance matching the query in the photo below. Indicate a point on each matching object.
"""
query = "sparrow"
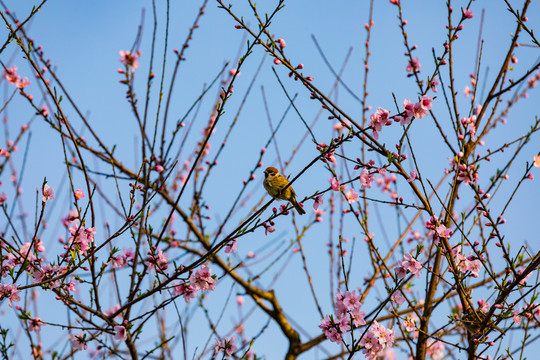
(472, 323)
(274, 183)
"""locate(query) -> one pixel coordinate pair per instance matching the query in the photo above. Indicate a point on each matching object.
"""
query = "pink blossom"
(537, 161)
(358, 317)
(79, 194)
(71, 285)
(352, 196)
(27, 253)
(78, 342)
(240, 300)
(413, 65)
(330, 156)
(443, 232)
(35, 325)
(467, 91)
(120, 333)
(403, 120)
(419, 110)
(410, 323)
(121, 261)
(340, 309)
(231, 247)
(268, 229)
(9, 292)
(129, 59)
(335, 184)
(24, 83)
(113, 310)
(397, 297)
(516, 317)
(318, 215)
(366, 179)
(351, 300)
(227, 346)
(3, 198)
(389, 354)
(434, 83)
(483, 305)
(380, 118)
(467, 14)
(344, 324)
(334, 336)
(11, 75)
(203, 280)
(400, 272)
(426, 102)
(409, 107)
(239, 329)
(475, 267)
(48, 193)
(72, 217)
(410, 264)
(386, 182)
(186, 290)
(532, 81)
(159, 168)
(412, 177)
(318, 200)
(160, 261)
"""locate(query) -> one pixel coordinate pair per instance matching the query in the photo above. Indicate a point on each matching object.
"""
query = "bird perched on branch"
(473, 322)
(275, 184)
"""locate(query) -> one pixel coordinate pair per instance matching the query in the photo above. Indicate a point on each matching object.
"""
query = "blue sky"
(83, 39)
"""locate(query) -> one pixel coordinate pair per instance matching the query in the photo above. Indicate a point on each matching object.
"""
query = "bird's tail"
(297, 206)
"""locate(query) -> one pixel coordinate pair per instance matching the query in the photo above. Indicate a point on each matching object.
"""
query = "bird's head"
(270, 171)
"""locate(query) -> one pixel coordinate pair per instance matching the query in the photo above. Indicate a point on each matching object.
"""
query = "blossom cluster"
(466, 263)
(157, 260)
(437, 230)
(49, 272)
(382, 117)
(81, 239)
(409, 263)
(9, 292)
(120, 261)
(469, 123)
(347, 316)
(11, 260)
(13, 78)
(201, 280)
(376, 340)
